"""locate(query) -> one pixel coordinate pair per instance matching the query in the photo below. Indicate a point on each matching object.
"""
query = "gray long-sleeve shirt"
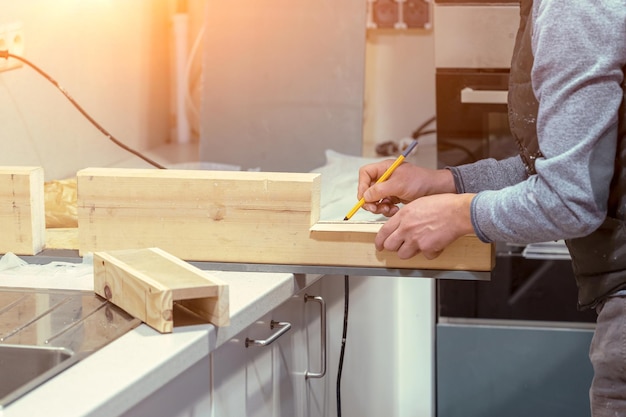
(579, 51)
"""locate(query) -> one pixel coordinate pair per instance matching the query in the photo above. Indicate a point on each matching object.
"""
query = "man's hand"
(407, 183)
(426, 225)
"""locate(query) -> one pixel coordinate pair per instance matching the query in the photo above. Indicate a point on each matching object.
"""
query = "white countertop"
(120, 375)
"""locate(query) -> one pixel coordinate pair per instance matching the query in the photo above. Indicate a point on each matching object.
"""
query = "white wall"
(400, 83)
(399, 96)
(112, 56)
(283, 82)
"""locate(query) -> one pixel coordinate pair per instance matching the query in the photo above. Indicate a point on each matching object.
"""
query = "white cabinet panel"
(269, 380)
(388, 364)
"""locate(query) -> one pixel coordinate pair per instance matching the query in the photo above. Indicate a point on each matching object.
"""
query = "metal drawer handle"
(308, 374)
(469, 95)
(283, 327)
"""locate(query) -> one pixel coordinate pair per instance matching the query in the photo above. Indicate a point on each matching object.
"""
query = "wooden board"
(236, 216)
(147, 282)
(349, 242)
(22, 211)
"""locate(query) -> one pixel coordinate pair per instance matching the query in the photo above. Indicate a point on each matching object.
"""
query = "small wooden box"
(147, 282)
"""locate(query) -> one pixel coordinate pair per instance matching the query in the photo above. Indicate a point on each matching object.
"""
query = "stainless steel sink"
(44, 332)
(26, 367)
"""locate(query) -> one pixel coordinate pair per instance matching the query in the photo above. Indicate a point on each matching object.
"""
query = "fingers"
(387, 238)
(369, 174)
(406, 250)
(390, 238)
(393, 238)
(377, 192)
(425, 225)
(430, 255)
(384, 207)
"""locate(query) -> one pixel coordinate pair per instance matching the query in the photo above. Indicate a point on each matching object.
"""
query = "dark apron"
(599, 259)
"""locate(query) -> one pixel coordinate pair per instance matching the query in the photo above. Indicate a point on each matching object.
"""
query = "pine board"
(22, 211)
(147, 282)
(237, 216)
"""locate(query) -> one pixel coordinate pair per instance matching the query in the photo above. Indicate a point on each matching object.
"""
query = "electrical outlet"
(385, 13)
(399, 14)
(416, 13)
(12, 40)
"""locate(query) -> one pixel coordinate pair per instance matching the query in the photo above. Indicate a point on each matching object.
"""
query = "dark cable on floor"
(418, 132)
(343, 340)
(424, 133)
(6, 55)
(390, 148)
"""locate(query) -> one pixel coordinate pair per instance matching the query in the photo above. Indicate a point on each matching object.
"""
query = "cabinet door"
(263, 380)
(303, 358)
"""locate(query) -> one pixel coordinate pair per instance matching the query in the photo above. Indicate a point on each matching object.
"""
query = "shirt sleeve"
(488, 174)
(579, 56)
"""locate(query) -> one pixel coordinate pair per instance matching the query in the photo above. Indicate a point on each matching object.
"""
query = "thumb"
(375, 193)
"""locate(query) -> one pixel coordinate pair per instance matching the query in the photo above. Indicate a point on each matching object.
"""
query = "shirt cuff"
(458, 182)
(474, 219)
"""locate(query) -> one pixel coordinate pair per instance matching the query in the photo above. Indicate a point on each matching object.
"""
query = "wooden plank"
(22, 210)
(235, 216)
(346, 227)
(197, 215)
(147, 282)
(347, 243)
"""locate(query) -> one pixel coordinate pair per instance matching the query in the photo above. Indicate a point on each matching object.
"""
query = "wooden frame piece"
(22, 210)
(350, 243)
(237, 216)
(147, 282)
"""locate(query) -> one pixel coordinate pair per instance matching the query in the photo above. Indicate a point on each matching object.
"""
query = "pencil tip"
(345, 218)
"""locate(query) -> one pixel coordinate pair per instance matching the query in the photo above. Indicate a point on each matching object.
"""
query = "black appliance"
(472, 120)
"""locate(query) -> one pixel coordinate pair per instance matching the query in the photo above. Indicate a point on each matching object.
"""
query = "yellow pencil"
(384, 177)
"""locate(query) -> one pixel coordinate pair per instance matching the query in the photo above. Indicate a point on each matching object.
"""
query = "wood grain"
(147, 282)
(236, 216)
(22, 210)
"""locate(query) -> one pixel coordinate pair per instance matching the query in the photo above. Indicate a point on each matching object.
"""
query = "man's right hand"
(407, 183)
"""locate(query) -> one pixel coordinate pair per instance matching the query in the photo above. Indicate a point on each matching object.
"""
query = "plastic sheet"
(16, 272)
(340, 177)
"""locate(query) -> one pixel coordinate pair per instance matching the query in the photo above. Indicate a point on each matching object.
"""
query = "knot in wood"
(108, 294)
(168, 315)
